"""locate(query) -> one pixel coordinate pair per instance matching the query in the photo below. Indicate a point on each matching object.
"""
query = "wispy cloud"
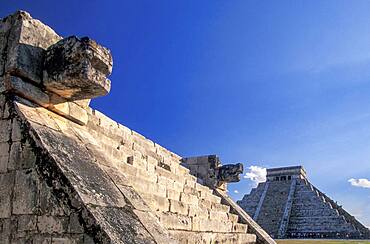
(365, 183)
(256, 174)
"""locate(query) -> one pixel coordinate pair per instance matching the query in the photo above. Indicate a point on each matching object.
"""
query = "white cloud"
(236, 191)
(256, 174)
(360, 182)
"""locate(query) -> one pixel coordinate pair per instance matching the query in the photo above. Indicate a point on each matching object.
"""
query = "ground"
(303, 241)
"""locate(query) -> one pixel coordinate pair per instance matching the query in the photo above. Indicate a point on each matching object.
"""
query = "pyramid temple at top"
(287, 205)
(69, 174)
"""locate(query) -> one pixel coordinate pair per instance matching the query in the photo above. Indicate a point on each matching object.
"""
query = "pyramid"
(287, 205)
(70, 174)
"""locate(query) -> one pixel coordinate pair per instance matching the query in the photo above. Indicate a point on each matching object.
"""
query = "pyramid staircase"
(287, 205)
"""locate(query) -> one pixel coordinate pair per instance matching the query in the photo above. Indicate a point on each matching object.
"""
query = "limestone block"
(190, 180)
(5, 230)
(67, 240)
(5, 25)
(138, 162)
(26, 223)
(26, 90)
(172, 194)
(233, 217)
(150, 168)
(143, 185)
(48, 204)
(203, 189)
(2, 99)
(178, 207)
(211, 198)
(187, 237)
(4, 156)
(240, 228)
(133, 198)
(27, 40)
(21, 156)
(74, 225)
(128, 169)
(178, 186)
(200, 224)
(147, 176)
(156, 203)
(173, 221)
(182, 170)
(220, 207)
(197, 211)
(218, 215)
(191, 190)
(166, 182)
(5, 130)
(25, 192)
(52, 224)
(70, 110)
(77, 68)
(121, 224)
(157, 189)
(16, 131)
(188, 198)
(42, 239)
(6, 188)
(205, 203)
(2, 90)
(154, 227)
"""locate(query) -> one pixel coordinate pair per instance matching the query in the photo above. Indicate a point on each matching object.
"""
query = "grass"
(305, 241)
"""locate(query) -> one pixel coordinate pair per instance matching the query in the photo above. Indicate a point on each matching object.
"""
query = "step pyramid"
(70, 174)
(287, 205)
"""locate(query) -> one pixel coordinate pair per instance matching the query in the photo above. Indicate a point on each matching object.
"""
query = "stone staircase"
(313, 212)
(272, 208)
(287, 205)
(184, 206)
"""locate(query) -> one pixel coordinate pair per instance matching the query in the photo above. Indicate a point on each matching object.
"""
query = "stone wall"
(29, 210)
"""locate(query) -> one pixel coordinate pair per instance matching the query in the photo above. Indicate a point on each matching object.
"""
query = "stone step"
(186, 237)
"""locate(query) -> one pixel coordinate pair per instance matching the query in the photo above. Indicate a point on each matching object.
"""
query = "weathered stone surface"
(230, 172)
(27, 223)
(21, 156)
(6, 188)
(5, 131)
(26, 42)
(122, 225)
(78, 165)
(212, 172)
(77, 68)
(25, 192)
(5, 25)
(26, 90)
(52, 224)
(4, 156)
(69, 110)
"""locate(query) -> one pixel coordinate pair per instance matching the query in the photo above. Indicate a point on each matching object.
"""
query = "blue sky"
(266, 83)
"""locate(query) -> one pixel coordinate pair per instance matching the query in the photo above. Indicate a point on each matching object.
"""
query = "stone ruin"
(287, 205)
(69, 174)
